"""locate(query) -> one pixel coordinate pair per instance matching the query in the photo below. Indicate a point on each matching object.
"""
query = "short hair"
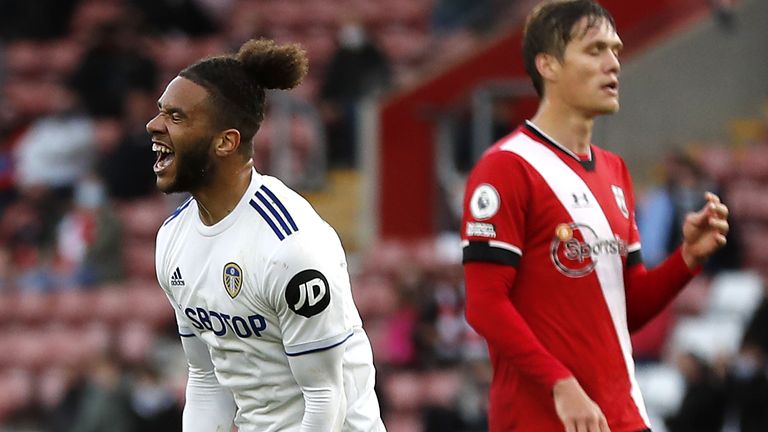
(551, 26)
(236, 83)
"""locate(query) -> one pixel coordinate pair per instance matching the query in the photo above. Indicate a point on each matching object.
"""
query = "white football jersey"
(268, 281)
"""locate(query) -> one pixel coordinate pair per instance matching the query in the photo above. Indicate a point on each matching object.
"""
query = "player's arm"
(496, 200)
(209, 405)
(307, 284)
(490, 312)
(649, 291)
(320, 377)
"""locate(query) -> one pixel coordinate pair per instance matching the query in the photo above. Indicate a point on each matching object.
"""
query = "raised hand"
(704, 232)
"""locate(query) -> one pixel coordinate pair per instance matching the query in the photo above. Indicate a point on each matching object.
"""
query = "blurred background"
(402, 98)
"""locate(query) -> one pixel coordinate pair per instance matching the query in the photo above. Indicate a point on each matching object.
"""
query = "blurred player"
(555, 281)
(258, 281)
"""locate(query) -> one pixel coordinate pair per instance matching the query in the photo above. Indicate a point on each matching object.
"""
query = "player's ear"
(228, 142)
(548, 66)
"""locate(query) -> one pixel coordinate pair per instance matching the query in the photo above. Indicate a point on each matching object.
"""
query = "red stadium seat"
(441, 387)
(323, 12)
(284, 13)
(717, 161)
(142, 218)
(134, 342)
(375, 296)
(403, 44)
(755, 253)
(404, 391)
(32, 308)
(110, 304)
(72, 306)
(16, 391)
(320, 43)
(139, 259)
(23, 57)
(406, 12)
(51, 386)
(149, 304)
(403, 422)
(27, 348)
(62, 56)
(753, 163)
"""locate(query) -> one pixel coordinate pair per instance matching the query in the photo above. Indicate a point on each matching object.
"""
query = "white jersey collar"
(222, 225)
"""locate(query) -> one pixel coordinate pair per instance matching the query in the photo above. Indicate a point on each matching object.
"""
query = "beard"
(194, 168)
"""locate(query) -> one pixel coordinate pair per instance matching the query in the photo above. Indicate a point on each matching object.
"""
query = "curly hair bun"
(273, 66)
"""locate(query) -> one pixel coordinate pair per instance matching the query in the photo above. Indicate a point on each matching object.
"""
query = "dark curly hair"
(236, 83)
(551, 25)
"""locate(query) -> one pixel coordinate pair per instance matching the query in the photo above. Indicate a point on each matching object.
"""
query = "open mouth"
(612, 87)
(165, 156)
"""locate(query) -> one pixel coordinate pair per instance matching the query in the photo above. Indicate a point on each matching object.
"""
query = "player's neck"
(217, 200)
(569, 129)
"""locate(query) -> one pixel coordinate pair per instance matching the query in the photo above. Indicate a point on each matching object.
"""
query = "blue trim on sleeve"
(320, 349)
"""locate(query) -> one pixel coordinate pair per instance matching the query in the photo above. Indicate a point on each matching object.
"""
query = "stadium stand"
(56, 325)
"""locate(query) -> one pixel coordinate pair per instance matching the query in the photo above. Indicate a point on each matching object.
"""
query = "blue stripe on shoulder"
(281, 206)
(178, 210)
(267, 219)
(274, 213)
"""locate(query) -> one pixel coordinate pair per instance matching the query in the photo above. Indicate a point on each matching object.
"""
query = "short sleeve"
(494, 213)
(308, 286)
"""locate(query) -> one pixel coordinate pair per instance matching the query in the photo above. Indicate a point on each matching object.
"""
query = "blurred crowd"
(714, 336)
(89, 342)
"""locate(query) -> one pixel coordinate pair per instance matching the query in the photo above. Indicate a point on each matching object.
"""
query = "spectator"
(115, 64)
(176, 16)
(89, 237)
(663, 210)
(358, 69)
(105, 405)
(153, 403)
(756, 333)
(704, 402)
(749, 388)
(54, 152)
(39, 19)
(62, 416)
(52, 156)
(126, 164)
(449, 16)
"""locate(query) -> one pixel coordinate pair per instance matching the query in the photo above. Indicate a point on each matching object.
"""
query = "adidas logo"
(176, 279)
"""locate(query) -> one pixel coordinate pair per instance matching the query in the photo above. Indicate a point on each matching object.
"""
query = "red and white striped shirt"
(555, 280)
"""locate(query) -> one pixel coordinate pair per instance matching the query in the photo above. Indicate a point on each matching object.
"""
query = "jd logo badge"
(308, 293)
